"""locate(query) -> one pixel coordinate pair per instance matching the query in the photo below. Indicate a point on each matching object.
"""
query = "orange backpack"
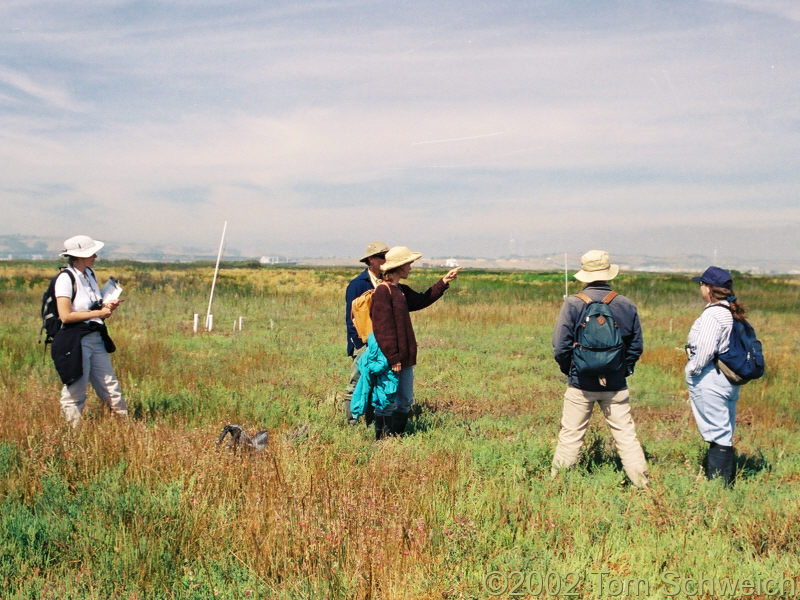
(360, 313)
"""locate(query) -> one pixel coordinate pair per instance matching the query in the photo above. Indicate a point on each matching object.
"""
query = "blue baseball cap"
(716, 276)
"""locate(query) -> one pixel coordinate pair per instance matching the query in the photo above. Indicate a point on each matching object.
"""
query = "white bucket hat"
(596, 266)
(81, 246)
(398, 256)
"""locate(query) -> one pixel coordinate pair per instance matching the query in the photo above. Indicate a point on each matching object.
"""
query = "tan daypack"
(360, 313)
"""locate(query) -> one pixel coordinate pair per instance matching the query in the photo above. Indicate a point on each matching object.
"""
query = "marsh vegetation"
(151, 508)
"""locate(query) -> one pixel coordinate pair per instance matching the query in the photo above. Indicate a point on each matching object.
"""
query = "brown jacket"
(391, 321)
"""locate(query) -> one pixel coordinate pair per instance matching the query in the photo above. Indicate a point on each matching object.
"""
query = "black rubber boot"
(382, 427)
(719, 463)
(399, 421)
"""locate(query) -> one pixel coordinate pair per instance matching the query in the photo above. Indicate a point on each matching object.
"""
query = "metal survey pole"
(214, 281)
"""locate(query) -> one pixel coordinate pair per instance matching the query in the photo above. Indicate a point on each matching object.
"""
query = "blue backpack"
(598, 349)
(744, 360)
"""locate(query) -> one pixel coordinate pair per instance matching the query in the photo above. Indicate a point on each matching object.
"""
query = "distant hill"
(28, 247)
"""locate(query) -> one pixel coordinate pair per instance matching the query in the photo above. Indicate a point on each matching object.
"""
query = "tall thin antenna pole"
(214, 281)
(566, 278)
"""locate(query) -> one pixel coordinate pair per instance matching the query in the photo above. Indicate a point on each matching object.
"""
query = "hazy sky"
(453, 127)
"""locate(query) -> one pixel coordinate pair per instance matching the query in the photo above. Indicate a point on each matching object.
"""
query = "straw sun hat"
(398, 256)
(596, 266)
(81, 246)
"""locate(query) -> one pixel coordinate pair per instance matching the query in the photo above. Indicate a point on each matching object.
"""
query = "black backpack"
(598, 349)
(50, 321)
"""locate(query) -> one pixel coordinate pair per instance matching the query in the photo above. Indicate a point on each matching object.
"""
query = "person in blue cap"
(712, 397)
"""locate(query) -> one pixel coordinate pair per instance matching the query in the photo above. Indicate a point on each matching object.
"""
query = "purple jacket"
(391, 321)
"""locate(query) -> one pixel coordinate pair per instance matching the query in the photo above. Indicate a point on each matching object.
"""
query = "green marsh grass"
(151, 508)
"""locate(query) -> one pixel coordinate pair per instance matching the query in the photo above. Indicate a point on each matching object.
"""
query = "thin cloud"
(27, 88)
(785, 9)
(459, 139)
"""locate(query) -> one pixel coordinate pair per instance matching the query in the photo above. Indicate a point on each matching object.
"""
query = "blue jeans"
(405, 394)
(713, 399)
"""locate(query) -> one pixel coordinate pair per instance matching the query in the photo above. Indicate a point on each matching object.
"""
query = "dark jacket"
(391, 322)
(357, 286)
(627, 319)
(66, 349)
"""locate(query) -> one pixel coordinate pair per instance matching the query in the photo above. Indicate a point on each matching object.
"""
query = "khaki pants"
(575, 418)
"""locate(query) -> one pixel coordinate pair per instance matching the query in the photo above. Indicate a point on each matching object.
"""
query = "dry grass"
(150, 508)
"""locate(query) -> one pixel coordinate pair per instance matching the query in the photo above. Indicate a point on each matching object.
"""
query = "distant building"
(451, 263)
(276, 260)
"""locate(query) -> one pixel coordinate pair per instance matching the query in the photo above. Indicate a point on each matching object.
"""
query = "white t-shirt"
(87, 291)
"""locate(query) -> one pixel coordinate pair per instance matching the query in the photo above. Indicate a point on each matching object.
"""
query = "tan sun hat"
(596, 266)
(81, 246)
(399, 256)
(374, 248)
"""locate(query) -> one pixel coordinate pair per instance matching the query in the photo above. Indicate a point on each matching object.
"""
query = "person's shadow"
(420, 419)
(750, 465)
(595, 454)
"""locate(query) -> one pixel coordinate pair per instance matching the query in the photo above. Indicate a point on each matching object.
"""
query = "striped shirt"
(710, 334)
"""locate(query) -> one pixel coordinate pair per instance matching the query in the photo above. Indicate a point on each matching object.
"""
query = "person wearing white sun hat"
(608, 386)
(81, 348)
(394, 334)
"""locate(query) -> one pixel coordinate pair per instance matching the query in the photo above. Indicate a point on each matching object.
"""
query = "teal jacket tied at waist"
(377, 382)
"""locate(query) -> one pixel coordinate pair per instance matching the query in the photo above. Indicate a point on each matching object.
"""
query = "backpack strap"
(609, 297)
(720, 305)
(607, 300)
(72, 279)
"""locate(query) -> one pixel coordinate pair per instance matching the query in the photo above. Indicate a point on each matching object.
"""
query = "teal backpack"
(598, 350)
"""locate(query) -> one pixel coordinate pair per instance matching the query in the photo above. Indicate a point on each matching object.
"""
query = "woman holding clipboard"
(82, 348)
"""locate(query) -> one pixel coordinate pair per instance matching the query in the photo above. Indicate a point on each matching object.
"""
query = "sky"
(457, 128)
